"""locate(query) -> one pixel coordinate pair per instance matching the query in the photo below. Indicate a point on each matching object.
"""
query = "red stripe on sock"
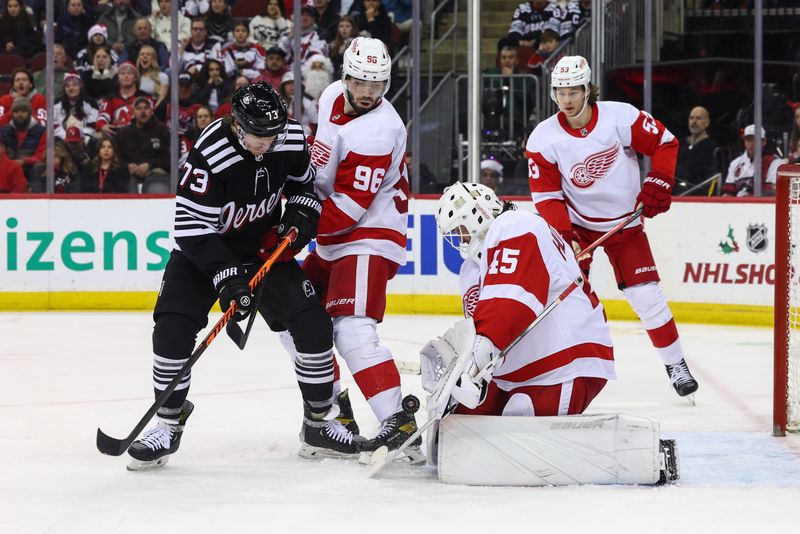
(665, 335)
(378, 378)
(336, 372)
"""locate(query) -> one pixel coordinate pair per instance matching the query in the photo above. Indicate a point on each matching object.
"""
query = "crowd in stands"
(113, 72)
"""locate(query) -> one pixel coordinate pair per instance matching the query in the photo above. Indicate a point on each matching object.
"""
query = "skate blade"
(139, 465)
(307, 452)
(690, 399)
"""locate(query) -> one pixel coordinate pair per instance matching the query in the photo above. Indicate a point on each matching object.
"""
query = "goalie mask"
(464, 214)
(571, 71)
(368, 60)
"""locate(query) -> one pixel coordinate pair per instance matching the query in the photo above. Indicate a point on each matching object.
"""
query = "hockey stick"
(115, 447)
(440, 398)
(602, 239)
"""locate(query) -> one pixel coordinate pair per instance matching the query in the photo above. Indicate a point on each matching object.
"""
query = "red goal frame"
(781, 306)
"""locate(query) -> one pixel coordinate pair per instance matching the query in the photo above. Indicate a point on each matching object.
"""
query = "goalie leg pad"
(549, 451)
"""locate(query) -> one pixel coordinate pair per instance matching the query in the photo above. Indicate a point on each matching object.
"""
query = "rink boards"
(715, 258)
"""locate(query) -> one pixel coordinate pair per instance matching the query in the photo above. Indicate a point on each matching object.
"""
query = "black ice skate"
(670, 466)
(155, 446)
(326, 437)
(682, 380)
(346, 416)
(396, 429)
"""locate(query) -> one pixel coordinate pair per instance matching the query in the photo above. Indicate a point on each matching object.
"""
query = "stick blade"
(110, 446)
(380, 459)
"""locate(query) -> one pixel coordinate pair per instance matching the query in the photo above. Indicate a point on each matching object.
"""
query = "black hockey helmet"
(259, 109)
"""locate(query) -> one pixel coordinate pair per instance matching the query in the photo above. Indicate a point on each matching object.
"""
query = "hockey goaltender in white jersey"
(553, 372)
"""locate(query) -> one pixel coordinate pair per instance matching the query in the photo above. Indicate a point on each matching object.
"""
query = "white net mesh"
(793, 307)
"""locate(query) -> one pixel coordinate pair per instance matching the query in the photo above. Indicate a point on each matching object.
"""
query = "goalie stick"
(440, 398)
(115, 447)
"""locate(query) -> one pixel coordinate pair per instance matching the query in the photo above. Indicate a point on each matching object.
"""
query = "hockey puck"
(410, 404)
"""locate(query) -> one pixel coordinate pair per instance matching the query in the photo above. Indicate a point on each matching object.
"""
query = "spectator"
(400, 11)
(794, 138)
(72, 27)
(59, 70)
(25, 143)
(375, 22)
(199, 49)
(548, 42)
(491, 174)
(741, 171)
(67, 174)
(119, 22)
(203, 116)
(225, 109)
(99, 79)
(696, 154)
(187, 105)
(531, 19)
(317, 76)
(152, 80)
(310, 42)
(215, 86)
(144, 148)
(308, 107)
(72, 109)
(12, 179)
(267, 29)
(80, 148)
(18, 32)
(578, 12)
(327, 19)
(219, 22)
(105, 173)
(143, 32)
(161, 23)
(116, 110)
(275, 67)
(98, 36)
(507, 61)
(22, 87)
(243, 56)
(346, 31)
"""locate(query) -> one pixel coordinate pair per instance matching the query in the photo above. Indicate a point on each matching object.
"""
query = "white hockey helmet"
(570, 71)
(367, 59)
(466, 210)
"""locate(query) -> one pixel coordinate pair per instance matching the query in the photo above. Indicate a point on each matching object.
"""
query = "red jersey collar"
(584, 130)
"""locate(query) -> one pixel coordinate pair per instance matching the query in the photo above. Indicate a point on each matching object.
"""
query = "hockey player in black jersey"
(228, 201)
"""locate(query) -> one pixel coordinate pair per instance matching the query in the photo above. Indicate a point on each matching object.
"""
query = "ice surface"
(64, 374)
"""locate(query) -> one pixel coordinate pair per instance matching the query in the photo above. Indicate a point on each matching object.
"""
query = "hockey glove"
(574, 239)
(268, 244)
(302, 212)
(656, 195)
(231, 284)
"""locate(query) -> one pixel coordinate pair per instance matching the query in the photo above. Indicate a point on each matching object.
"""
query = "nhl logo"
(757, 237)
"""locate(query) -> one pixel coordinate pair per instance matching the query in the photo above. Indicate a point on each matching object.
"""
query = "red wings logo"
(594, 167)
(470, 300)
(320, 154)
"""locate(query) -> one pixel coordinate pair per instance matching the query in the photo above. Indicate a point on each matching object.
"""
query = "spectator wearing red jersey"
(275, 68)
(22, 87)
(12, 179)
(116, 111)
(243, 56)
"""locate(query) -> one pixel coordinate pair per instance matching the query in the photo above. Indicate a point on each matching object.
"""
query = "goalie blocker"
(554, 451)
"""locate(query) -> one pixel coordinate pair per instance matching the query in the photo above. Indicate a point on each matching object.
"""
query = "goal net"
(786, 409)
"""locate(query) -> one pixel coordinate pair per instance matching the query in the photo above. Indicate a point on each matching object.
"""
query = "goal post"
(786, 393)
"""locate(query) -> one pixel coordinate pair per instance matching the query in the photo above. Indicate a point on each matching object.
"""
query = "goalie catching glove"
(233, 288)
(302, 211)
(656, 194)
